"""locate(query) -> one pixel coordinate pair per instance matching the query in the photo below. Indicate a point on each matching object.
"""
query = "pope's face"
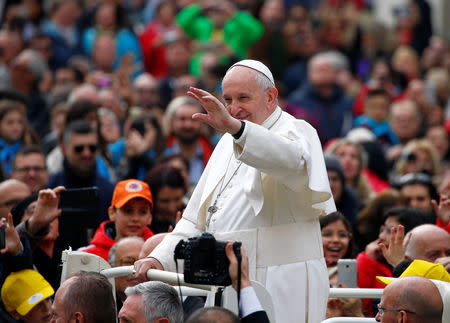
(244, 97)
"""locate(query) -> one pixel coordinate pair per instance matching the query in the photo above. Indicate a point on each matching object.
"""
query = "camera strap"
(179, 284)
(239, 259)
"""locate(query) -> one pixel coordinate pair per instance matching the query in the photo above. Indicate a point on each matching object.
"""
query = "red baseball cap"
(130, 189)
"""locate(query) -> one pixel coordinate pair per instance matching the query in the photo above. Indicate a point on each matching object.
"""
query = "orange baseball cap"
(130, 189)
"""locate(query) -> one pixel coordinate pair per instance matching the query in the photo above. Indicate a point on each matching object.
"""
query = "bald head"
(151, 243)
(145, 80)
(12, 191)
(414, 294)
(428, 242)
(125, 252)
(86, 92)
(213, 315)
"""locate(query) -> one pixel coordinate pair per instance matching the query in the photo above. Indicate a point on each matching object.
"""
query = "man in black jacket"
(80, 146)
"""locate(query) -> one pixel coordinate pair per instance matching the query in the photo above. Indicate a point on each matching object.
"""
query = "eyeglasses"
(79, 148)
(127, 261)
(27, 169)
(381, 310)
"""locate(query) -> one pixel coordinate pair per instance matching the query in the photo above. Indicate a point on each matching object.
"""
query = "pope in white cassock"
(265, 185)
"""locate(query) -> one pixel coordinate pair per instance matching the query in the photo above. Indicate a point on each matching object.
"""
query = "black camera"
(205, 260)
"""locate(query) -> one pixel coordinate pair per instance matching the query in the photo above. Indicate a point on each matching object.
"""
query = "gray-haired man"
(151, 302)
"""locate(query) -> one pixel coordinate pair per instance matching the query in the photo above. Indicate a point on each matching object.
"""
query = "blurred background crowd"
(94, 92)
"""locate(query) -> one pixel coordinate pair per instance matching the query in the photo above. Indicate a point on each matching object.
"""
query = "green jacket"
(240, 32)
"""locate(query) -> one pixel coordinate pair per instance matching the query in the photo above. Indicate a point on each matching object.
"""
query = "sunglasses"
(79, 148)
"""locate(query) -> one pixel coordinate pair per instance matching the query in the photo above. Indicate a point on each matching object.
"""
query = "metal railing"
(349, 320)
(74, 261)
(174, 278)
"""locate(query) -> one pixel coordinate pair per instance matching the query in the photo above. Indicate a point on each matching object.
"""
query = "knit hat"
(333, 163)
(257, 66)
(130, 189)
(23, 290)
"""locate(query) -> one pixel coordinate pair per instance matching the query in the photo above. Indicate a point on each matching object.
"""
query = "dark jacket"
(332, 116)
(256, 317)
(77, 237)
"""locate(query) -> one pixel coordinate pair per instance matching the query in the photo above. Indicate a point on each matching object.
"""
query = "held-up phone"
(139, 126)
(79, 213)
(347, 274)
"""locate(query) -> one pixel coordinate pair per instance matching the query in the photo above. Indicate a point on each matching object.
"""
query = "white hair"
(159, 300)
(35, 62)
(173, 106)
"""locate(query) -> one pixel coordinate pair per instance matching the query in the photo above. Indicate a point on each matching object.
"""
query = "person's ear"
(112, 213)
(63, 148)
(78, 317)
(402, 317)
(272, 95)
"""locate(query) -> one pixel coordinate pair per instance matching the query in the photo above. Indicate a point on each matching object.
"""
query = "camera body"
(205, 260)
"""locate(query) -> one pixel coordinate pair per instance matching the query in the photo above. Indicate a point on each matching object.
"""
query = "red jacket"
(102, 242)
(441, 225)
(368, 269)
(201, 141)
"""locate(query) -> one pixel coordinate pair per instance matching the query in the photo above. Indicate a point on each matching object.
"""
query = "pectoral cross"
(213, 208)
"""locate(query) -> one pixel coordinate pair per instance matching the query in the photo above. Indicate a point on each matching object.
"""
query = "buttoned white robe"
(271, 202)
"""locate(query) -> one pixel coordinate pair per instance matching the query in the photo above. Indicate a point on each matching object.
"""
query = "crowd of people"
(127, 96)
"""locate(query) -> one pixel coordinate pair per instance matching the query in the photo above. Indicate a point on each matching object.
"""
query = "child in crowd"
(26, 296)
(376, 112)
(130, 214)
(12, 130)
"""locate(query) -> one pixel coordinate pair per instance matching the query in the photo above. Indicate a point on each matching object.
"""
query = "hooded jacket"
(104, 237)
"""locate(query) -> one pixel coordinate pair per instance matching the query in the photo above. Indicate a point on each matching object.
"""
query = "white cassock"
(273, 185)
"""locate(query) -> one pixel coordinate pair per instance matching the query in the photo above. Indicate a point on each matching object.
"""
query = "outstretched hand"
(444, 261)
(217, 116)
(443, 208)
(12, 239)
(46, 209)
(395, 252)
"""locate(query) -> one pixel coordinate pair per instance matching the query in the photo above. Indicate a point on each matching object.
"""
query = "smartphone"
(139, 126)
(79, 213)
(2, 239)
(347, 274)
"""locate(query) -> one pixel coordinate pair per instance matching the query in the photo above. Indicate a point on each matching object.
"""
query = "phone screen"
(80, 215)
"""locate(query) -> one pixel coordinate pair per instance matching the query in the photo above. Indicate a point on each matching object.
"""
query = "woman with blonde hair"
(353, 159)
(406, 61)
(420, 156)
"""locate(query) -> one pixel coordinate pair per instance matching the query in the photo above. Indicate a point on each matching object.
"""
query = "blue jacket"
(62, 50)
(332, 116)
